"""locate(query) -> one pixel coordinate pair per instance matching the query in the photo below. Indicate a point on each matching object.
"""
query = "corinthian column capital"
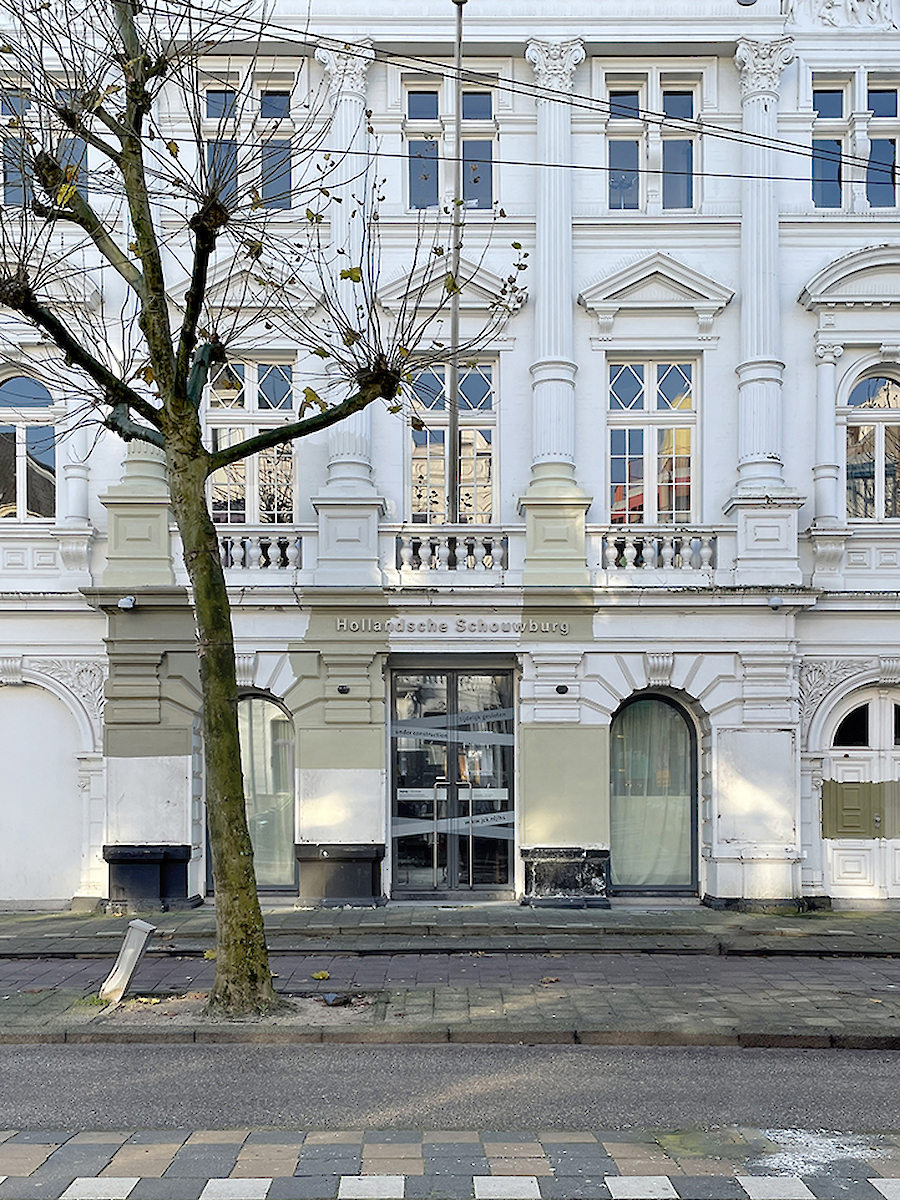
(554, 62)
(760, 64)
(346, 66)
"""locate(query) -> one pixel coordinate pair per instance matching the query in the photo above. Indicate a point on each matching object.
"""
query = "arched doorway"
(653, 798)
(267, 761)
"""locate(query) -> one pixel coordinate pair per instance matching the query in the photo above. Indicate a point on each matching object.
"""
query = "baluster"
(406, 552)
(687, 552)
(498, 553)
(668, 551)
(706, 552)
(442, 554)
(237, 552)
(478, 552)
(292, 553)
(254, 553)
(611, 553)
(648, 553)
(223, 552)
(630, 552)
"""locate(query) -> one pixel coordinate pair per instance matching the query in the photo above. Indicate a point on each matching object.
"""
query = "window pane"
(626, 475)
(21, 392)
(7, 472)
(673, 386)
(228, 501)
(475, 476)
(477, 106)
(221, 103)
(73, 153)
(679, 104)
(880, 173)
(423, 174)
(478, 189)
(854, 729)
(275, 105)
(891, 461)
(829, 104)
(876, 392)
(13, 102)
(897, 724)
(422, 106)
(861, 471)
(17, 173)
(276, 175)
(276, 485)
(475, 389)
(226, 389)
(40, 471)
(826, 173)
(882, 103)
(428, 389)
(274, 390)
(678, 181)
(673, 489)
(429, 486)
(626, 386)
(267, 764)
(624, 188)
(624, 106)
(221, 164)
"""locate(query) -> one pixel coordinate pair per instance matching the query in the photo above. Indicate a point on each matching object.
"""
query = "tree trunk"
(243, 983)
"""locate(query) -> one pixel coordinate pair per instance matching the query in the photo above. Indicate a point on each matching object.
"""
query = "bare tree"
(113, 186)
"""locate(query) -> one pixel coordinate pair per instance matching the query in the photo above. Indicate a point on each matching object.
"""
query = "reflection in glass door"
(453, 814)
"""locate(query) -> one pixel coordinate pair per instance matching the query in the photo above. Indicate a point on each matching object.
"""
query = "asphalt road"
(445, 1087)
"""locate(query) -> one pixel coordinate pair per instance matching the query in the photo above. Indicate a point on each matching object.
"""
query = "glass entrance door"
(453, 814)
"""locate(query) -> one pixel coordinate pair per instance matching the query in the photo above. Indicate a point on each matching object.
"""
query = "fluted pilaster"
(826, 471)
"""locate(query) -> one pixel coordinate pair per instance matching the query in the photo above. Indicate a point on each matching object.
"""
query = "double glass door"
(453, 816)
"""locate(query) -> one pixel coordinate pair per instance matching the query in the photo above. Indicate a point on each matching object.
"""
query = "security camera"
(775, 603)
(127, 602)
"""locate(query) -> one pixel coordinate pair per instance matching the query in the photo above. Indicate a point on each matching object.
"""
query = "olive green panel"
(564, 785)
(355, 748)
(158, 742)
(853, 810)
(891, 821)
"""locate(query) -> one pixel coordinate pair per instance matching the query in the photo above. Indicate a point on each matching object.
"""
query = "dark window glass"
(73, 153)
(826, 173)
(478, 174)
(276, 175)
(897, 724)
(221, 163)
(624, 190)
(624, 106)
(21, 392)
(883, 103)
(40, 471)
(274, 385)
(875, 392)
(678, 180)
(679, 105)
(854, 729)
(221, 103)
(423, 174)
(477, 106)
(422, 106)
(7, 472)
(13, 103)
(275, 105)
(17, 177)
(881, 173)
(829, 104)
(428, 389)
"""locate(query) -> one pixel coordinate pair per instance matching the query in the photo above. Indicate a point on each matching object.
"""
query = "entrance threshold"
(455, 899)
(654, 903)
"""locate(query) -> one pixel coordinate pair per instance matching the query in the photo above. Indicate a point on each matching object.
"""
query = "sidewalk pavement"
(498, 973)
(728, 1163)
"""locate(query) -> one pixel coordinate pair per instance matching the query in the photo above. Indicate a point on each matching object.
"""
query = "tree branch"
(120, 422)
(205, 225)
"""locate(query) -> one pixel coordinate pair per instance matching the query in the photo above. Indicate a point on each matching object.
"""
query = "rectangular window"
(477, 106)
(221, 104)
(17, 176)
(626, 476)
(881, 190)
(73, 152)
(275, 485)
(826, 173)
(222, 167)
(678, 173)
(829, 103)
(228, 485)
(422, 106)
(873, 467)
(882, 102)
(14, 102)
(27, 472)
(423, 173)
(625, 106)
(478, 173)
(276, 175)
(624, 186)
(275, 106)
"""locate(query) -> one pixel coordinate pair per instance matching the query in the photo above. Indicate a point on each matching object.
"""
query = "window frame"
(436, 131)
(21, 419)
(829, 129)
(880, 419)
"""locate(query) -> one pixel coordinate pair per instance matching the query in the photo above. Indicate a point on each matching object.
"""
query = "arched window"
(873, 449)
(653, 798)
(27, 451)
(267, 761)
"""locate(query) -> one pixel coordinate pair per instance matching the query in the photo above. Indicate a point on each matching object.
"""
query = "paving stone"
(435, 1140)
(444, 1187)
(304, 1187)
(23, 1158)
(176, 1188)
(210, 1162)
(841, 1187)
(100, 1189)
(889, 1188)
(641, 1187)
(371, 1187)
(708, 1187)
(159, 1137)
(506, 1187)
(333, 1138)
(31, 1188)
(236, 1189)
(770, 1187)
(31, 1137)
(153, 1160)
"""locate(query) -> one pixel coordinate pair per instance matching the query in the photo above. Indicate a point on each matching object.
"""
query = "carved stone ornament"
(83, 678)
(11, 671)
(346, 67)
(820, 676)
(828, 353)
(555, 62)
(874, 14)
(889, 675)
(760, 64)
(659, 669)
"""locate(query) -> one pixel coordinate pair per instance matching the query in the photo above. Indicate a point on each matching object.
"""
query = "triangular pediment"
(863, 277)
(425, 286)
(655, 281)
(249, 286)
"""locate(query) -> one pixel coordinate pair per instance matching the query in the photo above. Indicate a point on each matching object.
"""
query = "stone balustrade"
(255, 550)
(446, 549)
(664, 549)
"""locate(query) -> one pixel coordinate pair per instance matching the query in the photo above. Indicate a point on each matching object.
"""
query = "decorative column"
(73, 530)
(765, 509)
(829, 531)
(349, 507)
(554, 505)
(138, 551)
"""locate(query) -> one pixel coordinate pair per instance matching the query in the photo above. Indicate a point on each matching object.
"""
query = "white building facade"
(659, 652)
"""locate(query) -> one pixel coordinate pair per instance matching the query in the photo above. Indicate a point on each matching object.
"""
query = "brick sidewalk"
(725, 1164)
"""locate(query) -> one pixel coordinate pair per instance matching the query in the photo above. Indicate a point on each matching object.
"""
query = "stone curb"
(256, 1035)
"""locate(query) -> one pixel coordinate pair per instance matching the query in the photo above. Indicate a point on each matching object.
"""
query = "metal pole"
(457, 220)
